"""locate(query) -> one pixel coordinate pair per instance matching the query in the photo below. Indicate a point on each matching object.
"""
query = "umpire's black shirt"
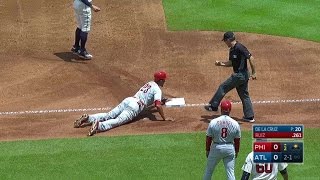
(238, 55)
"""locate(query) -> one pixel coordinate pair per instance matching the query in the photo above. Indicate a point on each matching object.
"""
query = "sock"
(77, 39)
(83, 38)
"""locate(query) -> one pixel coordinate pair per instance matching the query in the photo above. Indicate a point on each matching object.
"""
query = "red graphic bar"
(278, 135)
(267, 147)
(262, 146)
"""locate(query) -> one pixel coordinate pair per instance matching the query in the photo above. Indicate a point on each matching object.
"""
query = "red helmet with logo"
(225, 105)
(160, 75)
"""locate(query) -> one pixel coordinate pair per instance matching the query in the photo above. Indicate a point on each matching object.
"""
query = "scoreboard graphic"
(278, 143)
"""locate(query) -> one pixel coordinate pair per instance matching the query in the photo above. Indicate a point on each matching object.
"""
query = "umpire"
(238, 56)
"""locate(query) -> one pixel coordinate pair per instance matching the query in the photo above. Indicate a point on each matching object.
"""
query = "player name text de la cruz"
(278, 131)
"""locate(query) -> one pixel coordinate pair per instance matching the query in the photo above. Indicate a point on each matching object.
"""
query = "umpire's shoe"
(75, 50)
(250, 119)
(210, 108)
(85, 55)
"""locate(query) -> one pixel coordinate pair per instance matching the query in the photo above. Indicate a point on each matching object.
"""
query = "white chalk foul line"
(187, 105)
(267, 102)
(54, 111)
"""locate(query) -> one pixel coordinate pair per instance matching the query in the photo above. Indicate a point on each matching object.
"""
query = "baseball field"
(44, 87)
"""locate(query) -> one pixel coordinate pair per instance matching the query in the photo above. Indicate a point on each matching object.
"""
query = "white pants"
(83, 15)
(128, 109)
(219, 152)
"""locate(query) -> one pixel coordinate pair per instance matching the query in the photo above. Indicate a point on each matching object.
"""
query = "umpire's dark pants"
(240, 82)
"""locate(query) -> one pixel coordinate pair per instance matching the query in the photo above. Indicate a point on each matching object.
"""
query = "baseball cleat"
(94, 128)
(85, 55)
(250, 119)
(75, 50)
(210, 108)
(77, 123)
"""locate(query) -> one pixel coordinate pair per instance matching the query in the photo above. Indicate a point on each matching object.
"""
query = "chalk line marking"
(187, 105)
(54, 111)
(268, 102)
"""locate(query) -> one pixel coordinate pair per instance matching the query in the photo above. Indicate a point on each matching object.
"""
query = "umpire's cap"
(225, 106)
(229, 36)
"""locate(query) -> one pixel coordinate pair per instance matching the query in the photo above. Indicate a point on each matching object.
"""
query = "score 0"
(276, 152)
(276, 147)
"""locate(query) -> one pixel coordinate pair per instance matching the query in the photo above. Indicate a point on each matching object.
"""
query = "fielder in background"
(225, 134)
(238, 56)
(129, 108)
(267, 171)
(82, 10)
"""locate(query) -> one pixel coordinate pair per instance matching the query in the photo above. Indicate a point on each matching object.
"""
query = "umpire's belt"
(222, 143)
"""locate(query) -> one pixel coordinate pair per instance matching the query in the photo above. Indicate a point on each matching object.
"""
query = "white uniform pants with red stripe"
(126, 111)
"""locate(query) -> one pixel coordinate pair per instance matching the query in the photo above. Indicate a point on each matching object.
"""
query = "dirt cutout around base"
(129, 41)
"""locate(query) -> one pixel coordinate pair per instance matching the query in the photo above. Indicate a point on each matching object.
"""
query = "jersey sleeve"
(248, 164)
(245, 52)
(157, 95)
(282, 166)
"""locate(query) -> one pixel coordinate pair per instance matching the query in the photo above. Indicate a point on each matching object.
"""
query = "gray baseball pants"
(240, 82)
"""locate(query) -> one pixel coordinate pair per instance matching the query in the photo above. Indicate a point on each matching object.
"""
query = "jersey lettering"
(145, 88)
(261, 168)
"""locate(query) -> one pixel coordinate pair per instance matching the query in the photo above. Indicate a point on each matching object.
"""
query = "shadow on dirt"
(69, 57)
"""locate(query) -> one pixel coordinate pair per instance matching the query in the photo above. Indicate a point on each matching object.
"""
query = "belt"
(242, 71)
(222, 143)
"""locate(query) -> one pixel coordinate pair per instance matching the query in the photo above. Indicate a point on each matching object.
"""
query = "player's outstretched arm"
(160, 110)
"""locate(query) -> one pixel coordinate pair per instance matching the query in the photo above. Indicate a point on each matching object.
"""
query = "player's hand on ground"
(95, 8)
(164, 100)
(169, 119)
(253, 77)
(217, 63)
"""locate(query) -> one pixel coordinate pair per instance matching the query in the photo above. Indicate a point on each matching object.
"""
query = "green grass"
(289, 18)
(172, 156)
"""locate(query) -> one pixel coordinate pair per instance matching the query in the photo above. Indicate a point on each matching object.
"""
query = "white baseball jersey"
(223, 129)
(129, 108)
(149, 93)
(267, 171)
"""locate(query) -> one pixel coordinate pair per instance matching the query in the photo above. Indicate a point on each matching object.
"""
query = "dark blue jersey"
(238, 55)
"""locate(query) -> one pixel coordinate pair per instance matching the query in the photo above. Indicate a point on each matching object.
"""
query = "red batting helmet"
(160, 75)
(225, 106)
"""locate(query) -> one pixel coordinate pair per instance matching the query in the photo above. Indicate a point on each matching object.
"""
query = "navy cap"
(228, 36)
